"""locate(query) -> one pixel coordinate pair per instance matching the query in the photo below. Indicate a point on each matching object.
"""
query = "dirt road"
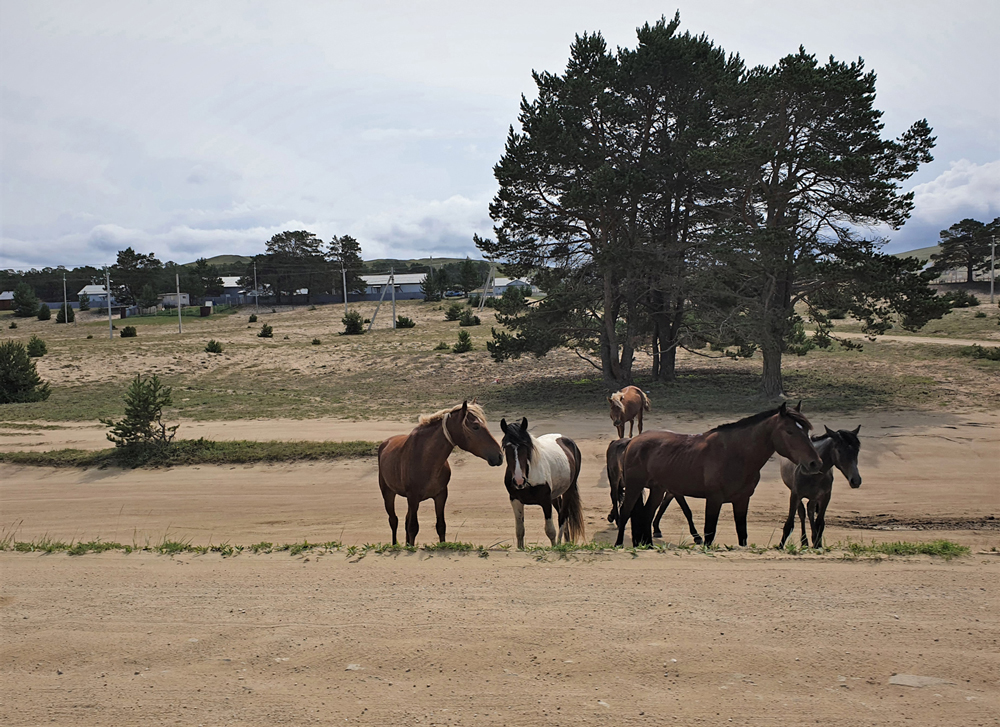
(675, 638)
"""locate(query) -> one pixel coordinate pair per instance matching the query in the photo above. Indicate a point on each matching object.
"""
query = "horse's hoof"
(698, 540)
(657, 534)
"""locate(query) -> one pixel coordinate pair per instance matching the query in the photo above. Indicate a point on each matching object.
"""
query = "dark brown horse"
(415, 465)
(721, 465)
(837, 449)
(616, 480)
(543, 471)
(628, 405)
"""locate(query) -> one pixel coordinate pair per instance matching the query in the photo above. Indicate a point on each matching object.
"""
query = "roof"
(504, 282)
(7, 295)
(92, 290)
(232, 281)
(401, 279)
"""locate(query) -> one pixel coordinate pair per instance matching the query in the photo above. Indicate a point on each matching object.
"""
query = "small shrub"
(980, 314)
(90, 335)
(128, 332)
(19, 380)
(454, 312)
(368, 320)
(44, 312)
(962, 299)
(468, 318)
(142, 424)
(25, 301)
(253, 318)
(36, 347)
(464, 342)
(836, 314)
(13, 324)
(65, 314)
(404, 322)
(442, 346)
(353, 323)
(988, 353)
(316, 342)
(286, 338)
(312, 307)
(84, 302)
(266, 332)
(213, 346)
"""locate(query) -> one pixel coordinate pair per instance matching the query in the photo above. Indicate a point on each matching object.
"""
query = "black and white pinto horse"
(838, 449)
(543, 471)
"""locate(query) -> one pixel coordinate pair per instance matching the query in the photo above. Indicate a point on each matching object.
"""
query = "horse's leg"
(550, 528)
(659, 514)
(640, 418)
(811, 509)
(616, 497)
(820, 526)
(439, 502)
(631, 425)
(629, 502)
(412, 527)
(803, 541)
(621, 430)
(712, 508)
(687, 513)
(389, 497)
(518, 508)
(793, 504)
(740, 509)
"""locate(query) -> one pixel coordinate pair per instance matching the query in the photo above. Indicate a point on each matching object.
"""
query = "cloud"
(965, 189)
(422, 227)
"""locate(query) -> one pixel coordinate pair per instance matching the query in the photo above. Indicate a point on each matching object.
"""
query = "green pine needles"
(19, 380)
(142, 427)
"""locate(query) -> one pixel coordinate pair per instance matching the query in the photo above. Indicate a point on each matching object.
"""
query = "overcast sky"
(193, 129)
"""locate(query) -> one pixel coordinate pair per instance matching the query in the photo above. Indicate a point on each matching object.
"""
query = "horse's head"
(790, 437)
(517, 447)
(468, 428)
(846, 447)
(617, 410)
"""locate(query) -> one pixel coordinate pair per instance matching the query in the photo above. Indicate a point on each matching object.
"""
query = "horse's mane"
(762, 416)
(437, 416)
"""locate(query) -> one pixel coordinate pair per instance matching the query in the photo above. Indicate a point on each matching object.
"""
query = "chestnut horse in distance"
(721, 465)
(628, 405)
(415, 465)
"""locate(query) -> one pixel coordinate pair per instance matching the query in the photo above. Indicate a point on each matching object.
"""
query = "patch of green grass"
(194, 452)
(93, 546)
(941, 548)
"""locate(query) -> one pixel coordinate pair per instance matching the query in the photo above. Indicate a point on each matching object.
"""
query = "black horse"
(837, 449)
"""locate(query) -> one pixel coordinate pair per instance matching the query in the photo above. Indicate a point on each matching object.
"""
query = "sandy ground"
(457, 639)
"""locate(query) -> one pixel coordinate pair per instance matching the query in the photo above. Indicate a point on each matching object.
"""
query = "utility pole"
(180, 327)
(107, 299)
(256, 292)
(66, 302)
(343, 275)
(392, 284)
(993, 265)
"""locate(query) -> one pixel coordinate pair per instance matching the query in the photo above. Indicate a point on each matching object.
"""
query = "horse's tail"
(645, 400)
(573, 513)
(572, 506)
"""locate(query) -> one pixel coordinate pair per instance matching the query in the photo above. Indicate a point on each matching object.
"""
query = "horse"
(721, 465)
(626, 406)
(543, 471)
(415, 465)
(615, 455)
(836, 449)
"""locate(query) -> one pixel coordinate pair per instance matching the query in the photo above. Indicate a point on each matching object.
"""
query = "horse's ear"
(524, 424)
(798, 407)
(475, 399)
(608, 398)
(465, 407)
(783, 410)
(856, 430)
(503, 426)
(829, 432)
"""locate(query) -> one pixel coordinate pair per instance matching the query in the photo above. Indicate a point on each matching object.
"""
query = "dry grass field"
(350, 634)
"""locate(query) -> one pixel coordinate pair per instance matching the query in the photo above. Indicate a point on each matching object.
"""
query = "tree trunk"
(771, 384)
(656, 351)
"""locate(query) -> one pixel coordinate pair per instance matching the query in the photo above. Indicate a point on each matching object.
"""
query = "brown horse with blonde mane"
(721, 465)
(628, 405)
(415, 465)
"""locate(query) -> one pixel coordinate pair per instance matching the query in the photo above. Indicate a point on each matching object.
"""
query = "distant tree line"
(668, 196)
(966, 245)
